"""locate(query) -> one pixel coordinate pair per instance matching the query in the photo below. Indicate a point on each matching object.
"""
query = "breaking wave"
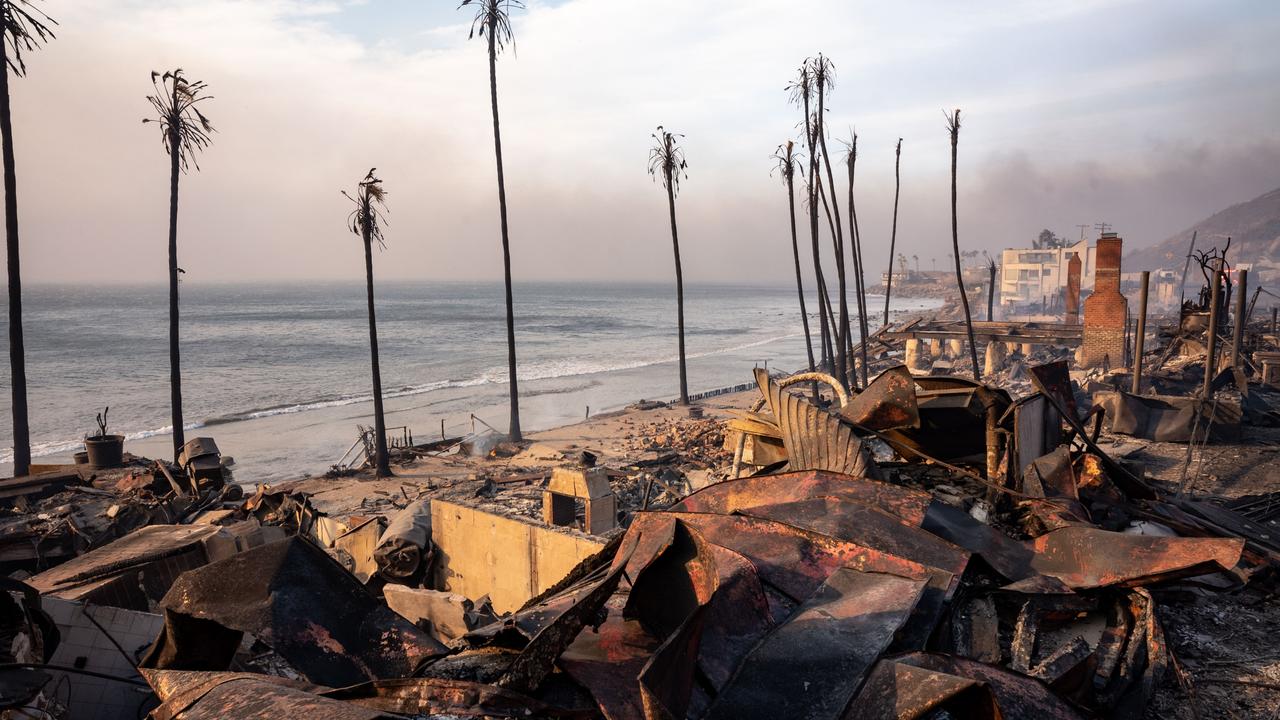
(491, 376)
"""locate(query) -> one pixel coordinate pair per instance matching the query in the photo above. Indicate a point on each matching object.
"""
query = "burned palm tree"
(493, 23)
(823, 72)
(953, 127)
(800, 93)
(184, 132)
(893, 234)
(855, 243)
(787, 160)
(666, 161)
(366, 221)
(24, 28)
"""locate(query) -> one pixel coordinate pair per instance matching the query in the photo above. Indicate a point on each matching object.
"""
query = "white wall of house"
(1027, 274)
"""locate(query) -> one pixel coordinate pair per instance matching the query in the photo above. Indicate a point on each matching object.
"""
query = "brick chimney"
(1073, 290)
(1105, 310)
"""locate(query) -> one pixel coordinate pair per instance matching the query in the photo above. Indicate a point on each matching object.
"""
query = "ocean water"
(279, 374)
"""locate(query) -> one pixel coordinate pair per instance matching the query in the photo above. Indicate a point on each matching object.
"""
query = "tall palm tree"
(22, 27)
(893, 235)
(787, 160)
(800, 93)
(366, 222)
(953, 127)
(493, 23)
(855, 242)
(184, 132)
(824, 81)
(666, 161)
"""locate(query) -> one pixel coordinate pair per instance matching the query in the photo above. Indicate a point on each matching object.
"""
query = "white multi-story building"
(1035, 275)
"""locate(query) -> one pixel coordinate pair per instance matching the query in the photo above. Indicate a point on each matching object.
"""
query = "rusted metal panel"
(1086, 557)
(667, 680)
(693, 573)
(867, 526)
(899, 691)
(608, 661)
(537, 659)
(887, 403)
(1011, 558)
(793, 560)
(811, 666)
(904, 503)
(295, 598)
(815, 439)
(193, 695)
(1018, 696)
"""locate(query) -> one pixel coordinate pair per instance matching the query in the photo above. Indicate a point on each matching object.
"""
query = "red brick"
(1105, 310)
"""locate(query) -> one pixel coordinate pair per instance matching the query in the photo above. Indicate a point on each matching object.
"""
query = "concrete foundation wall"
(507, 558)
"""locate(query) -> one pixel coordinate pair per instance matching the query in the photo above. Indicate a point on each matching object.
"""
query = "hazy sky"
(1148, 115)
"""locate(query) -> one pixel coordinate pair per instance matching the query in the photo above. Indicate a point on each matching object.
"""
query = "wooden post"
(1237, 337)
(1211, 347)
(1274, 313)
(1141, 334)
(991, 291)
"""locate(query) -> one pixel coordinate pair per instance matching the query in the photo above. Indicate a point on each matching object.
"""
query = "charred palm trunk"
(824, 328)
(382, 459)
(954, 126)
(675, 246)
(855, 241)
(17, 351)
(893, 235)
(175, 357)
(842, 323)
(506, 245)
(795, 251)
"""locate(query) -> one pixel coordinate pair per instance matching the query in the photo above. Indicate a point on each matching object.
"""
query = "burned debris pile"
(925, 547)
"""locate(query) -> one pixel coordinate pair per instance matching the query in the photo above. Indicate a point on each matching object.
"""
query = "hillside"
(1254, 228)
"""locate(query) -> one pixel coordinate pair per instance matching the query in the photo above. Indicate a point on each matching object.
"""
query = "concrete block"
(510, 559)
(448, 616)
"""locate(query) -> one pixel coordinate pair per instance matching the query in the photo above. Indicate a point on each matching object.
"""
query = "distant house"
(1035, 275)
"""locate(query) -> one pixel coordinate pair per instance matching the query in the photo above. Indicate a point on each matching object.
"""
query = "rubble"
(924, 547)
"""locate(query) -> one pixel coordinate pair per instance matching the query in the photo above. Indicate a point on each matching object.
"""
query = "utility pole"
(1082, 229)
(1102, 227)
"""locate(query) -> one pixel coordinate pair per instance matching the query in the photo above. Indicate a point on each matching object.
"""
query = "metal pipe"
(1211, 346)
(1141, 334)
(1237, 337)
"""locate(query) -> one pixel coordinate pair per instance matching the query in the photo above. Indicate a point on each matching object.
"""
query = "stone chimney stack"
(1073, 290)
(1105, 310)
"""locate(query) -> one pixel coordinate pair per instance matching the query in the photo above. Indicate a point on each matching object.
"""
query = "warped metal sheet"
(1086, 557)
(815, 439)
(607, 663)
(793, 560)
(694, 573)
(811, 666)
(905, 692)
(194, 695)
(298, 600)
(1018, 696)
(887, 403)
(667, 680)
(538, 658)
(1011, 558)
(866, 526)
(904, 503)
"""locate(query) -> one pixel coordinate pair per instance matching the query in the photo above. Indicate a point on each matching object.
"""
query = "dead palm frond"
(184, 129)
(823, 72)
(666, 160)
(493, 20)
(369, 215)
(25, 27)
(786, 159)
